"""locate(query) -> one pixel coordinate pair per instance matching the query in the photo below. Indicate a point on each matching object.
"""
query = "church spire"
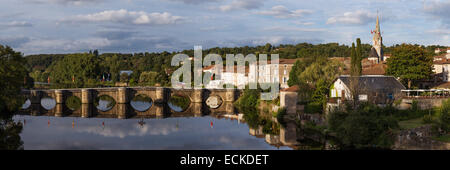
(377, 42)
(378, 25)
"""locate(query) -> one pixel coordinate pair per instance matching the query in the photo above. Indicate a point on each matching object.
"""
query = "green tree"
(368, 126)
(359, 56)
(353, 61)
(13, 76)
(82, 67)
(444, 115)
(409, 63)
(124, 77)
(148, 78)
(293, 74)
(10, 133)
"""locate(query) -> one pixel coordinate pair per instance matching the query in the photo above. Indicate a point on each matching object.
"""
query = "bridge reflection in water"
(126, 111)
(285, 137)
(118, 103)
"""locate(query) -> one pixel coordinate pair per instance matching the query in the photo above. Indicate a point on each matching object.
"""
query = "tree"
(12, 76)
(368, 126)
(359, 56)
(267, 48)
(353, 61)
(10, 133)
(81, 66)
(148, 78)
(293, 74)
(320, 73)
(444, 116)
(409, 63)
(124, 77)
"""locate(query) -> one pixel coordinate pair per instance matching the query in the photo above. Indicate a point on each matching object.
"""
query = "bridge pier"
(86, 110)
(121, 111)
(159, 110)
(197, 109)
(230, 95)
(229, 107)
(122, 95)
(86, 96)
(35, 97)
(198, 96)
(59, 108)
(160, 95)
(59, 96)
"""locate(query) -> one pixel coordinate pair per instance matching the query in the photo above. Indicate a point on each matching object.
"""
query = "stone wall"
(418, 139)
(289, 101)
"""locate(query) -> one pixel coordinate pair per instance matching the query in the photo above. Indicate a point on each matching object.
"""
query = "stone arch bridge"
(123, 95)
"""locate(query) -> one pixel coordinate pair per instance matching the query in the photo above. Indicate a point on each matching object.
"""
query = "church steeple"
(377, 41)
(377, 27)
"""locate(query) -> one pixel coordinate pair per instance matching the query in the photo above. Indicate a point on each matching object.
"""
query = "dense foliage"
(410, 63)
(314, 76)
(444, 116)
(368, 126)
(13, 76)
(10, 133)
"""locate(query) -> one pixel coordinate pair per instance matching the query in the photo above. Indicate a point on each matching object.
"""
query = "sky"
(129, 26)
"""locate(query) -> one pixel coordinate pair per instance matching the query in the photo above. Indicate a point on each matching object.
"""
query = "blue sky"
(66, 26)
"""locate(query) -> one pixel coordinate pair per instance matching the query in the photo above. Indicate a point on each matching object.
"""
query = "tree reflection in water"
(10, 133)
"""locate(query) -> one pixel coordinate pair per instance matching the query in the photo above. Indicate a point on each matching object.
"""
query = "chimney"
(343, 95)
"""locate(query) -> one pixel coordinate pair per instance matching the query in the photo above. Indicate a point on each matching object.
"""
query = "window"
(362, 97)
(390, 96)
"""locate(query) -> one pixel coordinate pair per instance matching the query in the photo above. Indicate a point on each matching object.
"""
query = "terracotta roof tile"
(291, 89)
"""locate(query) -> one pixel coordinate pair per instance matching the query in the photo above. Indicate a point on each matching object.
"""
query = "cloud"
(65, 2)
(195, 2)
(262, 40)
(281, 11)
(440, 10)
(293, 29)
(242, 4)
(353, 18)
(106, 41)
(14, 42)
(37, 45)
(16, 24)
(123, 16)
(115, 34)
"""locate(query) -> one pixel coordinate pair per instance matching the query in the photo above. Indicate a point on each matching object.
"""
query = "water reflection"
(73, 103)
(170, 133)
(141, 103)
(27, 104)
(10, 131)
(179, 103)
(198, 128)
(48, 103)
(104, 103)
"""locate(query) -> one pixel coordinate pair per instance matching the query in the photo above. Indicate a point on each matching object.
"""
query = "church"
(372, 86)
(376, 53)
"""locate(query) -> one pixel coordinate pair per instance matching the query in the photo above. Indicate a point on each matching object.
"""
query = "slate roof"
(374, 83)
(373, 53)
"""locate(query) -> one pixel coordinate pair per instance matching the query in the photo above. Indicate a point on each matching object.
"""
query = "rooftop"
(374, 82)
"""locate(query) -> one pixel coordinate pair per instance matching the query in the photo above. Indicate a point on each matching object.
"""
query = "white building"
(268, 73)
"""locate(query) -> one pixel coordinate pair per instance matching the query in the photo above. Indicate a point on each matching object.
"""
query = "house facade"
(267, 73)
(376, 89)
